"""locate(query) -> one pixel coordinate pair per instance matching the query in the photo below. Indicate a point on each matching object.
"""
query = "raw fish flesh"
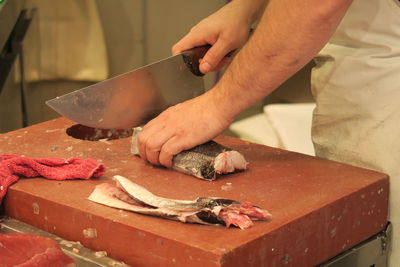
(129, 196)
(20, 249)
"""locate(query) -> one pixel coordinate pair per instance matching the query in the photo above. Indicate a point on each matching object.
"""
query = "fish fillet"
(23, 249)
(205, 161)
(127, 195)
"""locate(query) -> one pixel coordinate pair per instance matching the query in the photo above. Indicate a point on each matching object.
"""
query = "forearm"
(285, 40)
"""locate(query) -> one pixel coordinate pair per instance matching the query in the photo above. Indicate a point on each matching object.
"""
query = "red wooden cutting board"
(320, 208)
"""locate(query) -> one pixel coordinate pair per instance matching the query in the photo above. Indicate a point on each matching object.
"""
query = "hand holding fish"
(181, 127)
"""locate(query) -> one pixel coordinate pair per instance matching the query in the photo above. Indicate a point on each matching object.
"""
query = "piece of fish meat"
(205, 161)
(127, 195)
(22, 249)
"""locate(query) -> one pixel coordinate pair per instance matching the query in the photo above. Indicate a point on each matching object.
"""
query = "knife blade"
(133, 98)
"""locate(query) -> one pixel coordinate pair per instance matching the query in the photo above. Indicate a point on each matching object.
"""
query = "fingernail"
(205, 67)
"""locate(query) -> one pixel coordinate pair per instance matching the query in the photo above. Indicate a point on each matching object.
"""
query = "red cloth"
(12, 167)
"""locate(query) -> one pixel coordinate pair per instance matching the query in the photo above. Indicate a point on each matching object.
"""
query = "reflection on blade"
(133, 98)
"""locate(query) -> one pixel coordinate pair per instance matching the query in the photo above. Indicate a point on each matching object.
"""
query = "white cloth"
(286, 126)
(293, 123)
(356, 85)
(257, 129)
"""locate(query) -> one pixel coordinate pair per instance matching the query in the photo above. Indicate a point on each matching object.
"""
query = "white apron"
(356, 85)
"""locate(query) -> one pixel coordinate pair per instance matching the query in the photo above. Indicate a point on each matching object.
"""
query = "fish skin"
(203, 210)
(205, 161)
(199, 161)
(102, 194)
(143, 195)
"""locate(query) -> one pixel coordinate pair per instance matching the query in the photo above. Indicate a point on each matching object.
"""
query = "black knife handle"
(193, 56)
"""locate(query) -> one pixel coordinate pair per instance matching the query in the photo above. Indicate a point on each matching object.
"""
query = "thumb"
(213, 57)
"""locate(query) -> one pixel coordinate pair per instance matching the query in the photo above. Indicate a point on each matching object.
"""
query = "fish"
(207, 161)
(24, 249)
(129, 196)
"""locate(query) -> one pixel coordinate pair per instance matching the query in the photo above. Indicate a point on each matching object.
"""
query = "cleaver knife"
(133, 98)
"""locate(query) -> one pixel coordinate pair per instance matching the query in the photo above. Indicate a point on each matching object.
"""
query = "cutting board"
(320, 208)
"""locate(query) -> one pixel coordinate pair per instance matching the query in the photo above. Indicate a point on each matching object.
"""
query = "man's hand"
(226, 30)
(181, 127)
(196, 121)
(260, 66)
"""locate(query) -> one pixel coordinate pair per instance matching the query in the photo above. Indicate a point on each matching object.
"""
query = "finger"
(222, 63)
(189, 41)
(214, 56)
(141, 145)
(171, 148)
(154, 145)
(143, 138)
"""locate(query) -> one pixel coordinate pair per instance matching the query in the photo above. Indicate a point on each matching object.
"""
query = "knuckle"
(168, 152)
(194, 28)
(152, 157)
(212, 39)
(166, 157)
(175, 49)
(212, 56)
(215, 55)
(152, 147)
(167, 162)
(180, 133)
(233, 39)
(141, 138)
